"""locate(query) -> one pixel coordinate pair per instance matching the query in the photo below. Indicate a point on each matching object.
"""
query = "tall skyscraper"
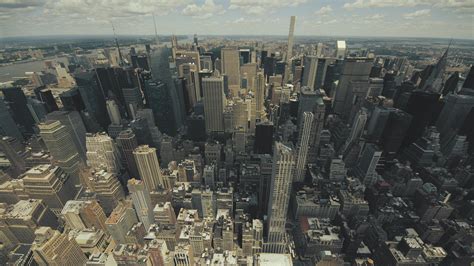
(282, 175)
(354, 69)
(319, 112)
(54, 248)
(357, 129)
(159, 98)
(149, 167)
(230, 61)
(341, 50)
(394, 132)
(61, 146)
(213, 88)
(17, 101)
(303, 145)
(367, 164)
(74, 124)
(289, 53)
(263, 137)
(8, 126)
(114, 112)
(127, 143)
(259, 85)
(141, 201)
(107, 188)
(454, 112)
(102, 153)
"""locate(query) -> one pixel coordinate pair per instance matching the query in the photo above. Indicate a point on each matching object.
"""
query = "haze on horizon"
(378, 18)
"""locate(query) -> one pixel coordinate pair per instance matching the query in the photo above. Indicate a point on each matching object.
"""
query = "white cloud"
(206, 10)
(260, 7)
(418, 14)
(376, 17)
(460, 6)
(324, 11)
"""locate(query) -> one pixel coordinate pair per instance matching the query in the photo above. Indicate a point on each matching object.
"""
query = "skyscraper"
(357, 128)
(61, 146)
(303, 145)
(367, 164)
(259, 85)
(127, 143)
(102, 153)
(289, 53)
(282, 175)
(319, 112)
(17, 101)
(114, 112)
(341, 50)
(230, 61)
(213, 88)
(141, 201)
(54, 248)
(354, 69)
(263, 137)
(8, 126)
(148, 167)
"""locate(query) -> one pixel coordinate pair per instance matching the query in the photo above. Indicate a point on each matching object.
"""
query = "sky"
(396, 18)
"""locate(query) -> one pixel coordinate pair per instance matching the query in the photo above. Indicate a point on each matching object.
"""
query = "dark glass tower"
(17, 101)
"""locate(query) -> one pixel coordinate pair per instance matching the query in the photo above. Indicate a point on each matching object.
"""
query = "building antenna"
(156, 32)
(121, 63)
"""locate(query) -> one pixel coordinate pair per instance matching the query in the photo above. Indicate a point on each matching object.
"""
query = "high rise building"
(341, 50)
(107, 188)
(368, 161)
(230, 61)
(17, 102)
(120, 221)
(259, 85)
(164, 214)
(8, 126)
(354, 69)
(51, 184)
(289, 53)
(15, 153)
(263, 137)
(213, 89)
(82, 214)
(61, 146)
(127, 143)
(102, 153)
(113, 112)
(19, 221)
(74, 124)
(319, 112)
(454, 112)
(303, 146)
(282, 175)
(311, 64)
(141, 201)
(357, 129)
(149, 167)
(54, 248)
(394, 132)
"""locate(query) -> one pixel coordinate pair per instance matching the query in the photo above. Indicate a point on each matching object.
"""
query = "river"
(16, 70)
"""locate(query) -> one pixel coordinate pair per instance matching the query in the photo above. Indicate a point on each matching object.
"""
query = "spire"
(156, 32)
(121, 62)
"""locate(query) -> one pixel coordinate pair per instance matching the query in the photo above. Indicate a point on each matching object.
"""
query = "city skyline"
(357, 18)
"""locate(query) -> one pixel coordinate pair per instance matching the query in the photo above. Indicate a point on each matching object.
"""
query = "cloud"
(324, 11)
(459, 6)
(206, 10)
(376, 17)
(260, 7)
(418, 14)
(18, 4)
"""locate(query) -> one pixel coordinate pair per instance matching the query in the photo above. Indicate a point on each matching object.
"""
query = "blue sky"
(410, 18)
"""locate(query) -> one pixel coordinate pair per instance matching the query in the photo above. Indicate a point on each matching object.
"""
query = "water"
(17, 70)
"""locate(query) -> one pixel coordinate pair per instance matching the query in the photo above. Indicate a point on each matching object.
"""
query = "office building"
(303, 146)
(83, 214)
(120, 221)
(263, 137)
(8, 126)
(141, 201)
(149, 167)
(54, 248)
(282, 173)
(61, 146)
(214, 99)
(102, 153)
(107, 188)
(17, 101)
(127, 143)
(230, 62)
(341, 50)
